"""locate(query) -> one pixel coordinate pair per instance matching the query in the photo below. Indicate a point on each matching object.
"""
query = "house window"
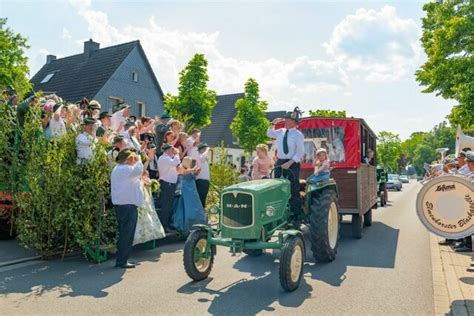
(113, 102)
(48, 77)
(135, 76)
(141, 109)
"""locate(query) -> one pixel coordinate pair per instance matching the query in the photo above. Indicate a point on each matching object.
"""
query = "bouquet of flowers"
(154, 186)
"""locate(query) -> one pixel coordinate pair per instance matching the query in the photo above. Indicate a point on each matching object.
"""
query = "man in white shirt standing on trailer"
(290, 150)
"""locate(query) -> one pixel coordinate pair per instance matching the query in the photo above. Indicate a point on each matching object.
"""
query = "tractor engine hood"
(259, 186)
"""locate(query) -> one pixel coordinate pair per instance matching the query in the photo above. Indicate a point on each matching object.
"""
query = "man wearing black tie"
(290, 150)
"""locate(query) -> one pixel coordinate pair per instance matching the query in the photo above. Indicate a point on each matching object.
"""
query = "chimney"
(90, 47)
(50, 58)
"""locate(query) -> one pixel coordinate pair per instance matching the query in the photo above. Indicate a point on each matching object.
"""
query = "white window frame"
(48, 77)
(134, 72)
(115, 99)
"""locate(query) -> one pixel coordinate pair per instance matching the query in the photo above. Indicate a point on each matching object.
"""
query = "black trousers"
(127, 216)
(202, 186)
(294, 176)
(165, 202)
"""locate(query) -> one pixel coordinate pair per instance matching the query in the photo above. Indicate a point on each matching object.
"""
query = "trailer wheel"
(368, 218)
(291, 263)
(198, 263)
(324, 225)
(357, 226)
(382, 199)
(253, 252)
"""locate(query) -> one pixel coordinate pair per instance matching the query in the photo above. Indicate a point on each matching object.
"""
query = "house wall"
(235, 156)
(121, 86)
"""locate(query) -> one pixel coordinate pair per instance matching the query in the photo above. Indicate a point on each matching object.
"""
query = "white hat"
(321, 150)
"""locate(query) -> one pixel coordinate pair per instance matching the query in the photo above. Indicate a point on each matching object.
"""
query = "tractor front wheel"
(324, 225)
(292, 262)
(198, 258)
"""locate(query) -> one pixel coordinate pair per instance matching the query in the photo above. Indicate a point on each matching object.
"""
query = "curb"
(447, 293)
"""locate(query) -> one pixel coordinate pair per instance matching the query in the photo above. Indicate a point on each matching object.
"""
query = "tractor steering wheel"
(282, 173)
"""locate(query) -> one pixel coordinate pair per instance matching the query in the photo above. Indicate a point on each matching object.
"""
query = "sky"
(358, 56)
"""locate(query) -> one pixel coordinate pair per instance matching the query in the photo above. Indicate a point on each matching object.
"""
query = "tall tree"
(13, 62)
(448, 41)
(327, 113)
(389, 148)
(194, 102)
(250, 124)
(410, 144)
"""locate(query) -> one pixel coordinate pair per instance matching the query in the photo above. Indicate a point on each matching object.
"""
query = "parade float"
(255, 215)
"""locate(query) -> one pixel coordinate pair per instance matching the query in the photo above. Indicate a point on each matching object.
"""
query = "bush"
(64, 206)
(222, 175)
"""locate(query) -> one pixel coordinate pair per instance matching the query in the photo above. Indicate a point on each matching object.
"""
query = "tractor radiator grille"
(237, 210)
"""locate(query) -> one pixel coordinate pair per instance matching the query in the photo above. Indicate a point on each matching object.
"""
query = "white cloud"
(169, 51)
(66, 34)
(378, 44)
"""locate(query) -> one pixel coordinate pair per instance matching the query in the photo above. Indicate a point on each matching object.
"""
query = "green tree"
(409, 145)
(194, 102)
(250, 124)
(441, 136)
(327, 113)
(13, 62)
(448, 41)
(389, 148)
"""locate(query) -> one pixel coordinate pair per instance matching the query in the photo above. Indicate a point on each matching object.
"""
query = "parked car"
(404, 178)
(394, 182)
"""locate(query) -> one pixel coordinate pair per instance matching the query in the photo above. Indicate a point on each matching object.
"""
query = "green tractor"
(382, 178)
(255, 216)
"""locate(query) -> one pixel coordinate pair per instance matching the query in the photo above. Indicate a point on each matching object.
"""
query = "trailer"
(347, 141)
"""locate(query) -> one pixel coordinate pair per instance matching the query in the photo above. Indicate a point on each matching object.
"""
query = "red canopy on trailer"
(341, 137)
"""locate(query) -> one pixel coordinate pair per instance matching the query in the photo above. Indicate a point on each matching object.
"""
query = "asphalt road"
(387, 272)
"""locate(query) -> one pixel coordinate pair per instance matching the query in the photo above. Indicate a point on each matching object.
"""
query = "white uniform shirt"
(85, 145)
(125, 184)
(192, 150)
(464, 170)
(58, 128)
(167, 168)
(203, 163)
(116, 119)
(295, 143)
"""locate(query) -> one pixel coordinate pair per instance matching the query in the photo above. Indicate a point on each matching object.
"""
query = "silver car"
(394, 182)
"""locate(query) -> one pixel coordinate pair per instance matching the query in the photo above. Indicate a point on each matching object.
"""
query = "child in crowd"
(262, 164)
(322, 167)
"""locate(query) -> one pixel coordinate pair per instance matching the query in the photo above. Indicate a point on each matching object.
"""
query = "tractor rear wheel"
(198, 263)
(324, 226)
(292, 262)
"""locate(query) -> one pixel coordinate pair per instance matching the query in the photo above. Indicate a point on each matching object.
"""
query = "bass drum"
(445, 206)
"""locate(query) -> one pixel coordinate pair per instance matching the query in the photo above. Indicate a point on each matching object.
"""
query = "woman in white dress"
(148, 225)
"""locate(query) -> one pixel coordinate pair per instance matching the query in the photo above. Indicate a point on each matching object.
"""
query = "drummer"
(290, 150)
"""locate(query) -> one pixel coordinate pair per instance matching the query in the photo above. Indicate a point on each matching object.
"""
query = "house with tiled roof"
(219, 131)
(110, 75)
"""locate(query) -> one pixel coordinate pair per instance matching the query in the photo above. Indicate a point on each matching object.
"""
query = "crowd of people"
(141, 150)
(462, 165)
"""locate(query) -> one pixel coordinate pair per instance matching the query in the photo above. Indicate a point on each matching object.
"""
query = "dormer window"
(48, 77)
(135, 76)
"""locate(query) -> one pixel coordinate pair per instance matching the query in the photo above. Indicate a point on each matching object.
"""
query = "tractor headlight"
(214, 209)
(269, 211)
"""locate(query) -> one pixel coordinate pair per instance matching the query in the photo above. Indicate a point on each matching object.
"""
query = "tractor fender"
(202, 227)
(293, 232)
(316, 187)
